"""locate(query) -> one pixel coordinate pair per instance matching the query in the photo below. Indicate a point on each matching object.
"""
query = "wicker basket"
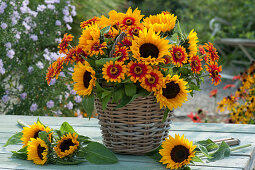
(134, 129)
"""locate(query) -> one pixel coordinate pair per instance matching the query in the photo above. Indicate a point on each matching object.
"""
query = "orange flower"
(153, 81)
(195, 118)
(179, 55)
(214, 71)
(75, 54)
(89, 22)
(64, 43)
(121, 52)
(54, 69)
(236, 77)
(137, 71)
(203, 52)
(212, 52)
(228, 86)
(213, 93)
(195, 63)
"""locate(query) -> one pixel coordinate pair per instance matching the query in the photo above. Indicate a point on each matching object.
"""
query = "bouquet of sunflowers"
(125, 56)
(65, 146)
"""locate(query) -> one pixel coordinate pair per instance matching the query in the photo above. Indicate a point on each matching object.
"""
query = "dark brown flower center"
(195, 63)
(129, 22)
(194, 118)
(152, 80)
(179, 153)
(171, 91)
(138, 70)
(96, 47)
(65, 145)
(178, 55)
(114, 70)
(36, 135)
(147, 50)
(136, 32)
(215, 73)
(86, 79)
(40, 151)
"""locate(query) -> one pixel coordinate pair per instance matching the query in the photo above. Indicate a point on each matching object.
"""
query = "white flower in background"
(50, 104)
(3, 26)
(41, 32)
(57, 113)
(41, 8)
(51, 1)
(34, 37)
(50, 6)
(8, 45)
(30, 69)
(66, 11)
(77, 99)
(33, 107)
(66, 95)
(10, 53)
(69, 105)
(1, 63)
(39, 64)
(23, 96)
(68, 27)
(2, 70)
(58, 23)
(53, 81)
(2, 7)
(68, 19)
(73, 12)
(58, 40)
(73, 92)
(79, 113)
(62, 74)
(17, 36)
(5, 98)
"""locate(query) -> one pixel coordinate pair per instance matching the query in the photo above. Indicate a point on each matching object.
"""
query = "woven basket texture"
(136, 128)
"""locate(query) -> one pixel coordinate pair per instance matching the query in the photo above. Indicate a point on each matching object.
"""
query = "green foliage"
(66, 128)
(14, 139)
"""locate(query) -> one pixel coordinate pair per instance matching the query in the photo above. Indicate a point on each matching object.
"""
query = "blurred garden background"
(31, 31)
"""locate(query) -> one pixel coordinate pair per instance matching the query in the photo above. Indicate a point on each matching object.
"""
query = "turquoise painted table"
(241, 159)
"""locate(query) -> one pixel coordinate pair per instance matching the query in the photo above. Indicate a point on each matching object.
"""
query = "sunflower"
(84, 78)
(37, 151)
(137, 71)
(214, 71)
(65, 43)
(191, 43)
(149, 47)
(33, 131)
(173, 92)
(113, 20)
(130, 18)
(195, 63)
(212, 52)
(122, 53)
(153, 81)
(67, 145)
(114, 72)
(179, 55)
(177, 152)
(161, 22)
(90, 33)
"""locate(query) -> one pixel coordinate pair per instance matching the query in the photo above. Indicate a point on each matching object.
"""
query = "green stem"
(22, 124)
(240, 147)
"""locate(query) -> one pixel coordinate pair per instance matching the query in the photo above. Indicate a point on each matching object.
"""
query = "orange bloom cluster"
(54, 69)
(65, 43)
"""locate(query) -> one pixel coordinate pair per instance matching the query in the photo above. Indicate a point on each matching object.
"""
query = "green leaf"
(98, 154)
(65, 127)
(43, 135)
(222, 152)
(88, 104)
(165, 114)
(105, 30)
(105, 101)
(106, 93)
(130, 89)
(73, 162)
(124, 101)
(98, 87)
(204, 150)
(196, 159)
(84, 139)
(14, 139)
(19, 155)
(117, 95)
(102, 61)
(211, 147)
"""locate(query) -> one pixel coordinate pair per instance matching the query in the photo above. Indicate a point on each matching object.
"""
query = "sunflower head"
(152, 81)
(163, 22)
(122, 53)
(173, 92)
(67, 145)
(149, 47)
(214, 71)
(37, 151)
(84, 78)
(130, 19)
(195, 63)
(138, 71)
(33, 132)
(178, 55)
(177, 152)
(190, 43)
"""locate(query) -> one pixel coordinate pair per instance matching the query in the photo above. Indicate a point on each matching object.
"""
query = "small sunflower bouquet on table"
(65, 146)
(126, 58)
